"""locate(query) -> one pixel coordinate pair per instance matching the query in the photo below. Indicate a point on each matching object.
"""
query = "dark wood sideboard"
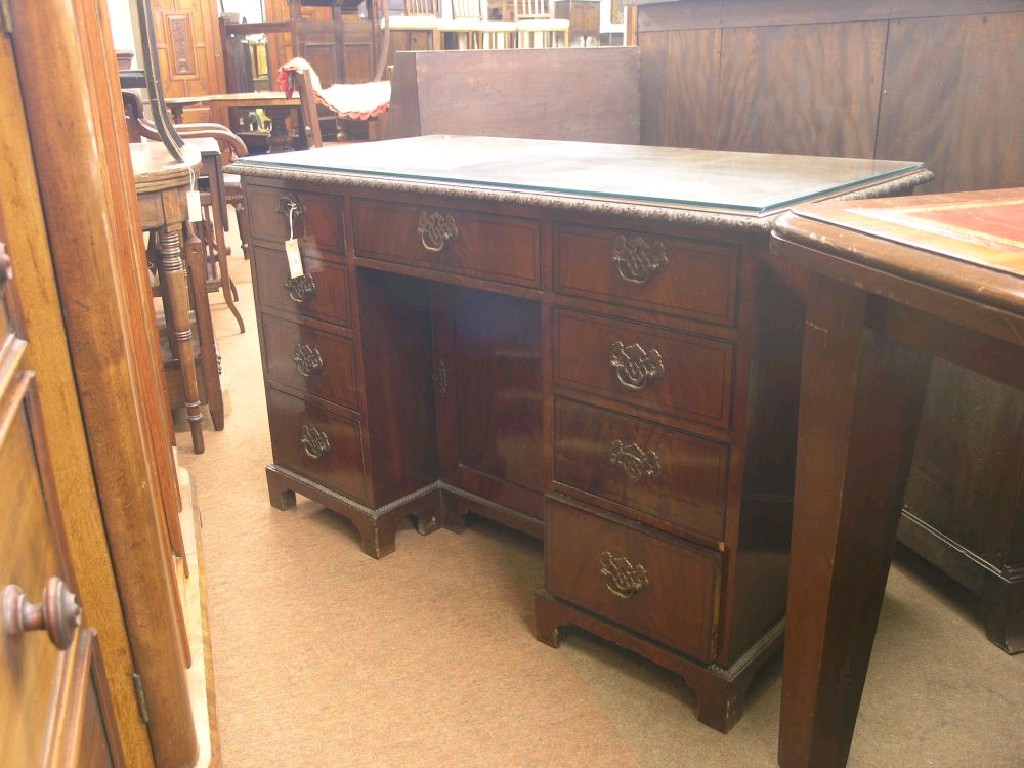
(577, 340)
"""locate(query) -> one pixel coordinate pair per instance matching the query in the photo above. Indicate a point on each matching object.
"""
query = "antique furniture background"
(340, 44)
(888, 284)
(188, 52)
(584, 20)
(217, 191)
(537, 25)
(577, 340)
(889, 81)
(518, 93)
(419, 20)
(469, 18)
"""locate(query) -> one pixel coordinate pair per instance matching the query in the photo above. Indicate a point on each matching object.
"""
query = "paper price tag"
(291, 248)
(195, 206)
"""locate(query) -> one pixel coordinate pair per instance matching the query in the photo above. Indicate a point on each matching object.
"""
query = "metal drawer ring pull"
(638, 261)
(623, 578)
(635, 368)
(314, 442)
(300, 288)
(436, 230)
(634, 460)
(308, 360)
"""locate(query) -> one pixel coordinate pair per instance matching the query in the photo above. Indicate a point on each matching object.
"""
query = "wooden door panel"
(188, 48)
(493, 371)
(49, 675)
(28, 557)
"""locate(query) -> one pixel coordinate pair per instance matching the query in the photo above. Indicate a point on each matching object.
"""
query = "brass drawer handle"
(314, 442)
(436, 230)
(634, 460)
(292, 207)
(635, 368)
(308, 360)
(300, 288)
(638, 261)
(58, 613)
(621, 577)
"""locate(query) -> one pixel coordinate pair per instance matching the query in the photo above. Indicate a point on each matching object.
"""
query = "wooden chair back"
(419, 7)
(534, 9)
(469, 9)
(311, 123)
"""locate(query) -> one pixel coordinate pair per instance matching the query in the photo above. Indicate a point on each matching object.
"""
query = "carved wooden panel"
(188, 48)
(181, 46)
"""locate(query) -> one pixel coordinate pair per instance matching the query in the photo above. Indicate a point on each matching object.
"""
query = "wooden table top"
(247, 99)
(968, 244)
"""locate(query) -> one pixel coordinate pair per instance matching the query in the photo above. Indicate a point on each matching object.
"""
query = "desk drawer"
(322, 446)
(650, 583)
(659, 472)
(317, 223)
(321, 292)
(650, 271)
(685, 375)
(489, 247)
(310, 361)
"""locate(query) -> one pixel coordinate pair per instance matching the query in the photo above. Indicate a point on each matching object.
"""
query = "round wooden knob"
(59, 612)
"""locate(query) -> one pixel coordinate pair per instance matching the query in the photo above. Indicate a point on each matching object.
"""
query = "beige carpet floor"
(323, 656)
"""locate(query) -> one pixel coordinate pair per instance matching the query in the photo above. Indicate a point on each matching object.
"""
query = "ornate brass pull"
(622, 578)
(634, 460)
(58, 612)
(635, 368)
(314, 442)
(638, 261)
(300, 288)
(436, 230)
(441, 377)
(308, 360)
(292, 207)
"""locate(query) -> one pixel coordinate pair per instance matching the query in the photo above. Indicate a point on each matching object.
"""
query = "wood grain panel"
(530, 93)
(679, 88)
(695, 382)
(658, 15)
(318, 226)
(310, 361)
(321, 293)
(340, 466)
(956, 103)
(684, 484)
(696, 278)
(802, 90)
(487, 246)
(676, 607)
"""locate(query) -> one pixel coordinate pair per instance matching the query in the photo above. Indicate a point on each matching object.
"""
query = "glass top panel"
(738, 182)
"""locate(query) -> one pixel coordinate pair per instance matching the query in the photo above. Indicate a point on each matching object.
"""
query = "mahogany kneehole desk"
(577, 340)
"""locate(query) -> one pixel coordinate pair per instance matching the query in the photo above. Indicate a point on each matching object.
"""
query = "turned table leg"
(179, 331)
